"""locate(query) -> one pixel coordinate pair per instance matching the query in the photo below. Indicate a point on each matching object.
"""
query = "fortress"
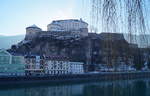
(71, 28)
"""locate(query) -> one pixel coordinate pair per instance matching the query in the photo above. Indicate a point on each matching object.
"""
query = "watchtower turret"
(31, 32)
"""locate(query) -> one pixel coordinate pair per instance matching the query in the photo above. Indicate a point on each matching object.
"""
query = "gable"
(4, 53)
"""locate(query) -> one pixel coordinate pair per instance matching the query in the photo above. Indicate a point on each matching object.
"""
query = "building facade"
(76, 67)
(67, 25)
(34, 65)
(77, 28)
(32, 32)
(67, 28)
(11, 64)
(52, 65)
(57, 65)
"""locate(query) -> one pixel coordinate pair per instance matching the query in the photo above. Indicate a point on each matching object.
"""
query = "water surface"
(109, 88)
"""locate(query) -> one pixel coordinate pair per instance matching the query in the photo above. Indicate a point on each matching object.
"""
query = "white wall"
(67, 25)
(57, 67)
(76, 67)
(64, 67)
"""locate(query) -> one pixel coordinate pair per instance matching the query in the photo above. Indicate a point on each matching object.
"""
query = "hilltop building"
(67, 25)
(31, 32)
(70, 28)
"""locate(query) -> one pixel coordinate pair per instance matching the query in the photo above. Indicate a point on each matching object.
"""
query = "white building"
(75, 26)
(57, 65)
(76, 67)
(67, 25)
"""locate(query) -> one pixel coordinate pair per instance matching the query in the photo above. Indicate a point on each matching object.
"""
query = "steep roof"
(33, 26)
(4, 52)
(77, 20)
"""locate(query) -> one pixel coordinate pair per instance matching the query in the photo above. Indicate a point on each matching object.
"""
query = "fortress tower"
(31, 32)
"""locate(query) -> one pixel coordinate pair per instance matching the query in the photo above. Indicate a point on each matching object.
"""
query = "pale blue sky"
(16, 15)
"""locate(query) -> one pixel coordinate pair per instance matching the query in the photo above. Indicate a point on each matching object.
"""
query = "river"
(103, 88)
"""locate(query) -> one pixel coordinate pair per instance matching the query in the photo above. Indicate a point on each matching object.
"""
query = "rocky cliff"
(93, 49)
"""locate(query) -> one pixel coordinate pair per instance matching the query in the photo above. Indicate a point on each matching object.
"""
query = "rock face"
(52, 46)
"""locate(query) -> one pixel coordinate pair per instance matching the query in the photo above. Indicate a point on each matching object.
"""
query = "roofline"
(110, 33)
(33, 27)
(70, 19)
(5, 51)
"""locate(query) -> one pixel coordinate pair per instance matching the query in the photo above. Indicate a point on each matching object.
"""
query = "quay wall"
(74, 78)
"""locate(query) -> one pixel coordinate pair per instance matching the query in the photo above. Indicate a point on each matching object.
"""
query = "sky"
(16, 15)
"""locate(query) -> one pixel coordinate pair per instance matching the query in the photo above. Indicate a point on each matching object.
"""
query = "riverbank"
(103, 76)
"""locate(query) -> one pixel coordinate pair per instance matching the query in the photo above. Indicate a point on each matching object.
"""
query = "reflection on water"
(115, 88)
